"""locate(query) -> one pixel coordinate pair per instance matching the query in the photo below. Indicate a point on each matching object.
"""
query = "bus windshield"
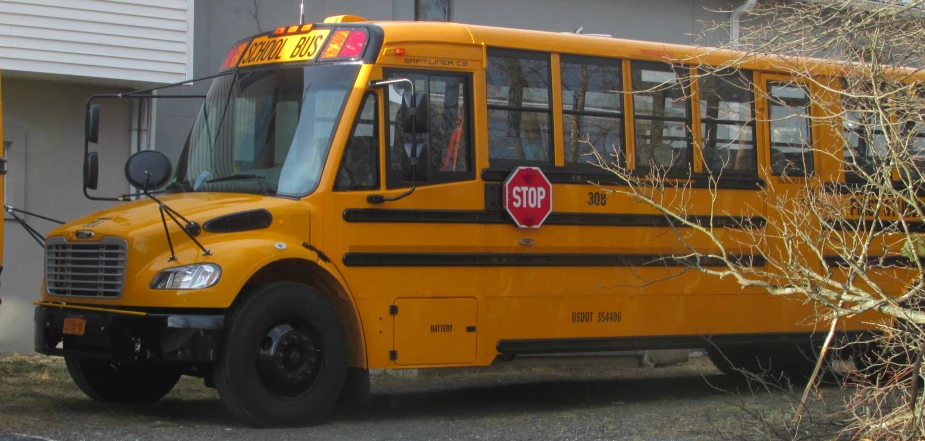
(265, 131)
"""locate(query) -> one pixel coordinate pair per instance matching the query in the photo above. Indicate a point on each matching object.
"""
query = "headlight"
(198, 276)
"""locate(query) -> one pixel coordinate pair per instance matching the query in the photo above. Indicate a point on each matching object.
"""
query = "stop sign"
(528, 197)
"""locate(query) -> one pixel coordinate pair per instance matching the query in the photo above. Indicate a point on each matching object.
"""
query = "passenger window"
(866, 144)
(592, 107)
(662, 114)
(359, 167)
(519, 109)
(449, 137)
(791, 138)
(728, 122)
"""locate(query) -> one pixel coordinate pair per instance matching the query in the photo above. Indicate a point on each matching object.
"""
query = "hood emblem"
(84, 234)
(97, 222)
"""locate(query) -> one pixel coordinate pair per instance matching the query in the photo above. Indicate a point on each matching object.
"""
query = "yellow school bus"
(337, 207)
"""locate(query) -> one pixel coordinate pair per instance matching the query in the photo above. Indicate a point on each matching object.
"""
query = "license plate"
(75, 326)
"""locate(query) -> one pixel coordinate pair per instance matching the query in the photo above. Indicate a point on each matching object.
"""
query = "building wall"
(44, 121)
(127, 40)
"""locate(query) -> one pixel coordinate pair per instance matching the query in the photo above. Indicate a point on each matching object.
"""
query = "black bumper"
(121, 337)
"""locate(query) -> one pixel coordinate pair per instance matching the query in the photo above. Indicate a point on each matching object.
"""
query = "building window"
(662, 114)
(592, 107)
(432, 10)
(728, 122)
(791, 137)
(449, 138)
(359, 168)
(519, 109)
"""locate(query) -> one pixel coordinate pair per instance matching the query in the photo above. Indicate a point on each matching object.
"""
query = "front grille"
(85, 269)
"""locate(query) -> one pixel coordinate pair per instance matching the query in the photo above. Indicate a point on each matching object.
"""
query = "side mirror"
(148, 170)
(92, 129)
(91, 170)
(422, 167)
(421, 108)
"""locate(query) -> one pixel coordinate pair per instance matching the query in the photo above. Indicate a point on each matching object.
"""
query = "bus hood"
(139, 222)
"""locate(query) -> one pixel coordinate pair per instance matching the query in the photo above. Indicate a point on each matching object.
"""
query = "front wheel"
(284, 358)
(123, 383)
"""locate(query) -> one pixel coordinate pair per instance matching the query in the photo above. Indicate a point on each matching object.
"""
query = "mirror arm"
(378, 198)
(163, 208)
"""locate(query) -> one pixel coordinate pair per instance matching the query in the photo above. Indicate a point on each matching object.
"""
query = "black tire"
(122, 383)
(879, 363)
(774, 363)
(284, 357)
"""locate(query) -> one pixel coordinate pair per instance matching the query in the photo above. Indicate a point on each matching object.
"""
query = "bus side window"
(359, 167)
(449, 137)
(592, 110)
(728, 122)
(662, 114)
(791, 138)
(519, 107)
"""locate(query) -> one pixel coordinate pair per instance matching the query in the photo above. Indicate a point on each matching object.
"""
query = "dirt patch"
(682, 402)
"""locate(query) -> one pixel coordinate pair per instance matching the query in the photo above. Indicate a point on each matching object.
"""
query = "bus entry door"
(434, 331)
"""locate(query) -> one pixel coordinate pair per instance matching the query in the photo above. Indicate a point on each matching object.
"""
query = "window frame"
(530, 55)
(417, 12)
(752, 122)
(770, 101)
(621, 115)
(379, 141)
(436, 176)
(688, 121)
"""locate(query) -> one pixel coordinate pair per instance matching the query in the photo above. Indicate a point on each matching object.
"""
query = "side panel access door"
(435, 331)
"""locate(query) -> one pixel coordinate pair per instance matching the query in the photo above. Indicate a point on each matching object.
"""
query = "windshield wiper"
(238, 176)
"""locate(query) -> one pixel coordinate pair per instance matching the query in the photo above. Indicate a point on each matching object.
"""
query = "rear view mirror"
(92, 129)
(148, 170)
(422, 167)
(91, 170)
(420, 108)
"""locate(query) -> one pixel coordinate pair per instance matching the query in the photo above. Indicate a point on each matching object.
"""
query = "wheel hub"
(287, 359)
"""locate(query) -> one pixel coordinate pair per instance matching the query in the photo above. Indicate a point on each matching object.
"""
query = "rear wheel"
(121, 382)
(284, 358)
(774, 363)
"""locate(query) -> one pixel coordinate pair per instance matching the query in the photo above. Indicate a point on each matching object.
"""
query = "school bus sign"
(528, 197)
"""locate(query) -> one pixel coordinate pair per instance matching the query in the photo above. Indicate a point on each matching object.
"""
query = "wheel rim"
(289, 359)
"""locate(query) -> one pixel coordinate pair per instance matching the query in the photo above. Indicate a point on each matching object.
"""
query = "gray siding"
(127, 40)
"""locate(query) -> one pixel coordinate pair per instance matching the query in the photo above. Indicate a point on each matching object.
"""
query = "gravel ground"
(684, 402)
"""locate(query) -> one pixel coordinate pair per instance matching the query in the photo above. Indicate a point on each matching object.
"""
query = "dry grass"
(35, 390)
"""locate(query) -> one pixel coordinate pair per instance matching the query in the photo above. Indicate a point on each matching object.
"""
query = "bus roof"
(396, 33)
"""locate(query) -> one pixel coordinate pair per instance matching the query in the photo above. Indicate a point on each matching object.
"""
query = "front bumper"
(118, 336)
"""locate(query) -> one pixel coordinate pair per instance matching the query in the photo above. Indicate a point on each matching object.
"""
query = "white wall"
(130, 40)
(45, 121)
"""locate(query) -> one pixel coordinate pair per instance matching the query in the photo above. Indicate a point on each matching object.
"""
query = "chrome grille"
(85, 269)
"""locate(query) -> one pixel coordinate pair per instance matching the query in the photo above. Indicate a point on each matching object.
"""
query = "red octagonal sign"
(528, 197)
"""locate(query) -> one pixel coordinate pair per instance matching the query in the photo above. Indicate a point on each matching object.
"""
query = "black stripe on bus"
(376, 215)
(875, 225)
(572, 176)
(874, 262)
(607, 344)
(538, 259)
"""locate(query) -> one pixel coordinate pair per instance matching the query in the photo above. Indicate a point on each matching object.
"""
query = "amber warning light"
(234, 55)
